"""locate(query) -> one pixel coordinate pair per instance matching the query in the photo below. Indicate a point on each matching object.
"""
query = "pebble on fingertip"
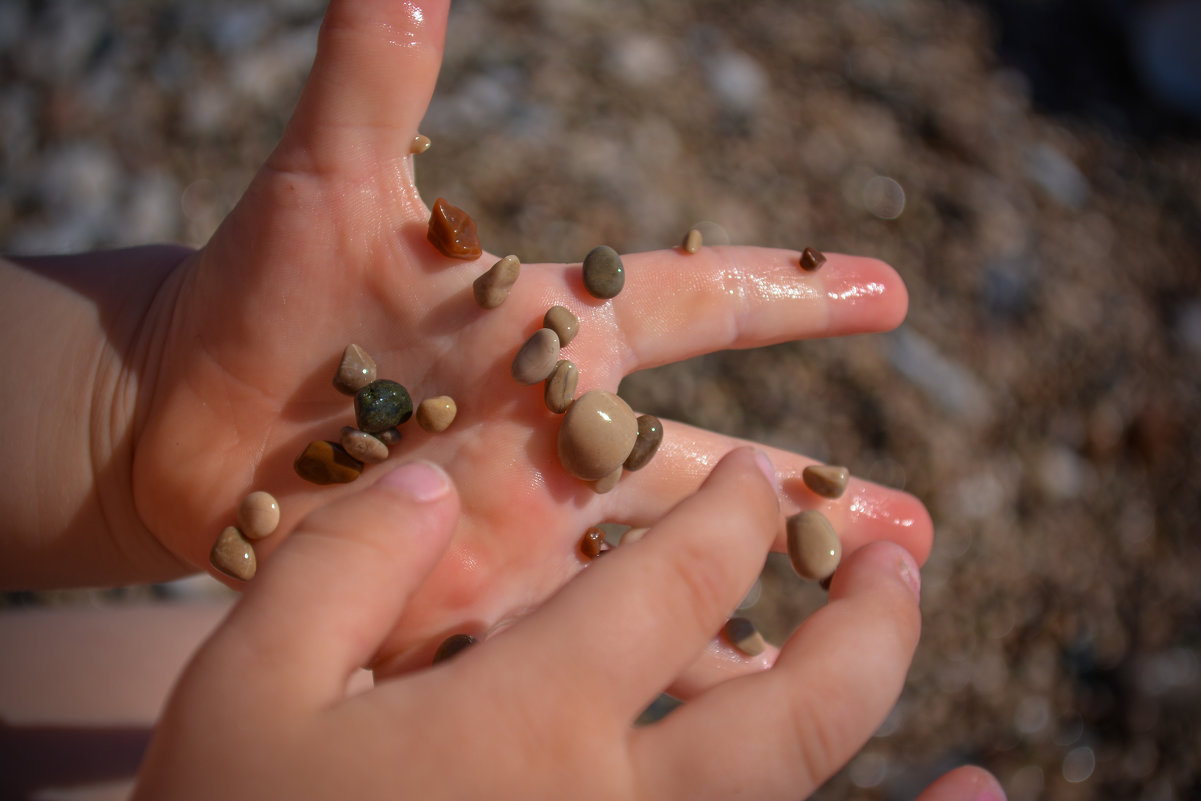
(826, 480)
(813, 545)
(367, 448)
(604, 274)
(692, 241)
(608, 483)
(491, 288)
(650, 436)
(812, 259)
(233, 555)
(743, 635)
(597, 435)
(561, 386)
(324, 462)
(356, 370)
(560, 320)
(452, 646)
(436, 414)
(419, 145)
(592, 543)
(452, 232)
(536, 359)
(258, 515)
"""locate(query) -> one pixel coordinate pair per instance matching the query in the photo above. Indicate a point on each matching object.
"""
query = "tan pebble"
(827, 480)
(356, 370)
(324, 462)
(389, 436)
(365, 447)
(592, 543)
(743, 635)
(436, 414)
(537, 357)
(812, 259)
(493, 287)
(598, 432)
(419, 145)
(560, 320)
(650, 435)
(258, 515)
(603, 272)
(560, 387)
(452, 646)
(813, 545)
(632, 535)
(233, 555)
(608, 483)
(692, 241)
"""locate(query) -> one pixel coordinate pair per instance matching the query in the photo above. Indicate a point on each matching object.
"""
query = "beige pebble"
(258, 515)
(436, 414)
(356, 370)
(813, 545)
(560, 320)
(365, 447)
(692, 241)
(452, 646)
(812, 259)
(827, 480)
(419, 145)
(493, 287)
(598, 432)
(743, 635)
(233, 555)
(537, 358)
(560, 387)
(632, 535)
(608, 483)
(389, 436)
(650, 436)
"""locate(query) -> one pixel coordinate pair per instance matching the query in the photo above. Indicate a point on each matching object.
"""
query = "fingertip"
(875, 564)
(966, 783)
(864, 294)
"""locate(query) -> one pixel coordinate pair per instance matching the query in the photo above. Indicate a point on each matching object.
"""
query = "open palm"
(328, 247)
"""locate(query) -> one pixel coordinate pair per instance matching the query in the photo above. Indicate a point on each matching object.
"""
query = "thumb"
(331, 594)
(967, 783)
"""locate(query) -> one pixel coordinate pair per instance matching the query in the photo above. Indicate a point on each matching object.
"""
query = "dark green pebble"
(650, 435)
(452, 645)
(382, 405)
(604, 275)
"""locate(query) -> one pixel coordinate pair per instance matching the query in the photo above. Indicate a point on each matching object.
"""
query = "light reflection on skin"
(868, 290)
(864, 506)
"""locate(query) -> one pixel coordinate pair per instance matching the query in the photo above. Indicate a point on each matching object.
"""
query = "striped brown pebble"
(826, 480)
(419, 145)
(452, 646)
(692, 241)
(436, 414)
(356, 370)
(592, 543)
(367, 448)
(452, 232)
(324, 462)
(597, 434)
(560, 387)
(650, 436)
(491, 288)
(536, 359)
(813, 545)
(560, 320)
(743, 635)
(233, 555)
(604, 274)
(258, 515)
(812, 259)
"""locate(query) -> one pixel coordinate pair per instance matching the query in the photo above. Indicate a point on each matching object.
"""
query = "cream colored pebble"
(233, 555)
(258, 515)
(367, 448)
(436, 414)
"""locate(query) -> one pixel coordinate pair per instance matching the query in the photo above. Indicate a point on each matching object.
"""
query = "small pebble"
(743, 635)
(560, 387)
(560, 320)
(811, 259)
(325, 462)
(452, 232)
(632, 535)
(365, 447)
(258, 515)
(827, 480)
(692, 241)
(381, 405)
(598, 433)
(419, 145)
(537, 358)
(233, 555)
(608, 483)
(436, 414)
(452, 646)
(356, 370)
(604, 275)
(592, 543)
(493, 287)
(389, 436)
(650, 435)
(813, 545)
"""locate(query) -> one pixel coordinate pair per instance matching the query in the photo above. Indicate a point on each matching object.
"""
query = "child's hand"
(544, 709)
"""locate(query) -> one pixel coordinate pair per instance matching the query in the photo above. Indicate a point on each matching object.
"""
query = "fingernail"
(422, 481)
(765, 466)
(910, 573)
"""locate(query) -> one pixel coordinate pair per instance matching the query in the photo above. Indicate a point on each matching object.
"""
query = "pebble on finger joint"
(742, 634)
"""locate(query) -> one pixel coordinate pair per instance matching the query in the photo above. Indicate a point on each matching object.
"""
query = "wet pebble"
(812, 259)
(560, 320)
(692, 241)
(598, 433)
(826, 480)
(381, 405)
(356, 370)
(233, 555)
(258, 515)
(452, 232)
(325, 462)
(452, 646)
(560, 387)
(389, 436)
(743, 635)
(493, 287)
(419, 145)
(436, 414)
(537, 357)
(608, 483)
(592, 543)
(650, 435)
(813, 545)
(365, 447)
(604, 274)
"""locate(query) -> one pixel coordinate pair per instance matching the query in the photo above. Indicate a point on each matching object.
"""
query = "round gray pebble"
(537, 357)
(560, 387)
(560, 320)
(604, 274)
(813, 545)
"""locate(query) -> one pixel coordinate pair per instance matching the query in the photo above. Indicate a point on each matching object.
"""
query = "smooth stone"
(598, 433)
(692, 241)
(389, 436)
(493, 287)
(813, 545)
(827, 480)
(258, 515)
(650, 436)
(592, 543)
(436, 414)
(325, 462)
(743, 635)
(233, 555)
(560, 387)
(381, 405)
(453, 646)
(419, 145)
(632, 535)
(560, 320)
(537, 358)
(452, 232)
(356, 370)
(365, 447)
(812, 259)
(604, 274)
(608, 483)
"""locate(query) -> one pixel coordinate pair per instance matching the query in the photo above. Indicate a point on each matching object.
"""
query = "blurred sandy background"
(1013, 160)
